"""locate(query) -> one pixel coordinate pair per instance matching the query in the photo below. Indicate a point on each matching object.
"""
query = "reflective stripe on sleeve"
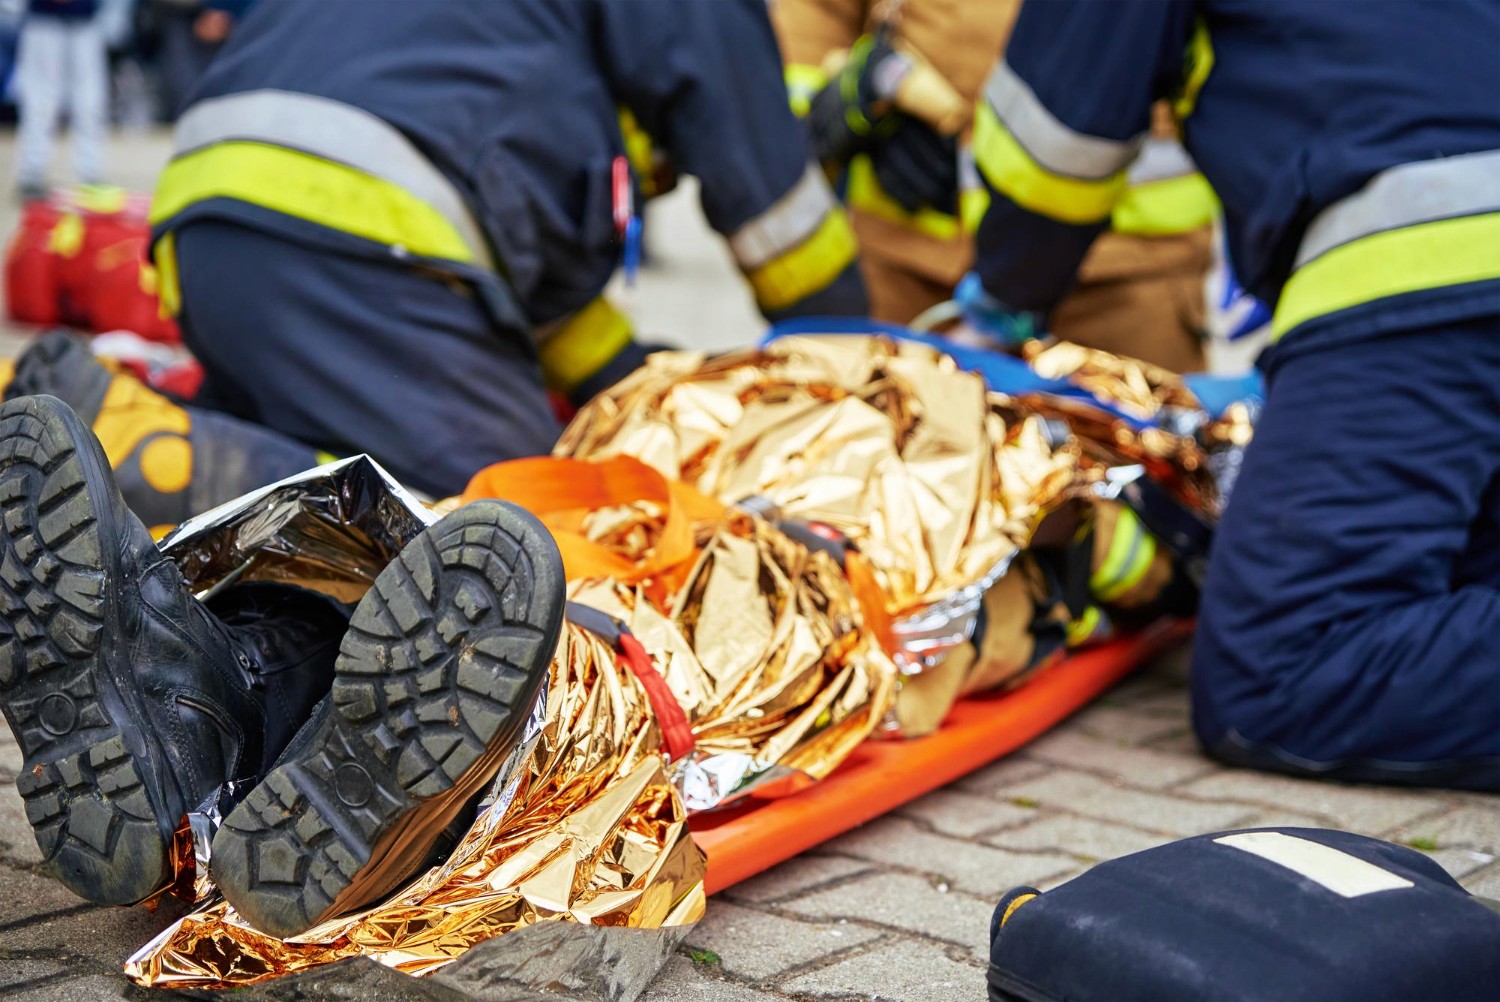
(583, 345)
(1413, 227)
(809, 267)
(1011, 171)
(1049, 143)
(790, 221)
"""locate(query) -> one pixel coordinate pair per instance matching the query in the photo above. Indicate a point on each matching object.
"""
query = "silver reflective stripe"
(1049, 142)
(793, 218)
(332, 131)
(1420, 192)
(1160, 160)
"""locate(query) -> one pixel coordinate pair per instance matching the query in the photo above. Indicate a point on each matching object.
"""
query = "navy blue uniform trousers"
(350, 355)
(1350, 620)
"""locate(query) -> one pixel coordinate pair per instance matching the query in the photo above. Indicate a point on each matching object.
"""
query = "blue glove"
(987, 315)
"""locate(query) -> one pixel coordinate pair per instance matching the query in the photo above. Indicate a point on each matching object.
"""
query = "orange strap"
(563, 492)
(676, 732)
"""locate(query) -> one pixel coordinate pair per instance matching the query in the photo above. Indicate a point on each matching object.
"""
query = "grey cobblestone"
(1474, 827)
(1128, 725)
(964, 815)
(1462, 862)
(977, 869)
(1364, 809)
(1091, 796)
(1484, 882)
(756, 944)
(1083, 838)
(993, 780)
(682, 980)
(907, 969)
(1141, 767)
(17, 842)
(906, 902)
(796, 877)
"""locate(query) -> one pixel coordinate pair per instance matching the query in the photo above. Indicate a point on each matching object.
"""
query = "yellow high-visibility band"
(807, 268)
(169, 292)
(1131, 550)
(311, 188)
(972, 205)
(1162, 208)
(584, 345)
(865, 194)
(802, 82)
(1410, 259)
(1085, 627)
(1013, 173)
(1198, 62)
(639, 150)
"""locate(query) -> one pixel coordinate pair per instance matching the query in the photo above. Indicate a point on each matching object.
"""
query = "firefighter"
(386, 227)
(1140, 292)
(1352, 603)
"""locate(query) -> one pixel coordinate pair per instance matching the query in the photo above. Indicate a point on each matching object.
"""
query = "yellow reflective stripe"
(1160, 208)
(311, 188)
(1131, 550)
(1082, 629)
(1198, 62)
(972, 205)
(807, 268)
(802, 82)
(864, 193)
(66, 236)
(1011, 171)
(169, 292)
(584, 345)
(638, 147)
(1410, 259)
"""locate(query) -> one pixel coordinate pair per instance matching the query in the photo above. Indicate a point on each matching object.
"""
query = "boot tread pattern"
(82, 788)
(440, 665)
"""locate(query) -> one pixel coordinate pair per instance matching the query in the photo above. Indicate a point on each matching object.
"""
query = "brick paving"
(898, 909)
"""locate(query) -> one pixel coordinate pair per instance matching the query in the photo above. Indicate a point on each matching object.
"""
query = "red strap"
(675, 729)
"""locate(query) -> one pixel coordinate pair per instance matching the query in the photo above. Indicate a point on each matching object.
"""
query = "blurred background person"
(62, 69)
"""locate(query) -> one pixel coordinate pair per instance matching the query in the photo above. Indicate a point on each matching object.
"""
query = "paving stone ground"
(898, 909)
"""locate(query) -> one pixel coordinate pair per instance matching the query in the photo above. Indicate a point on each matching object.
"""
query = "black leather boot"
(440, 670)
(130, 699)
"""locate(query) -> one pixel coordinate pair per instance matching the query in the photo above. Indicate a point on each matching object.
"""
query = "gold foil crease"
(936, 483)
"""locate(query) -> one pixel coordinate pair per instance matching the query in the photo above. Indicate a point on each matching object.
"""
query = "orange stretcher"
(882, 775)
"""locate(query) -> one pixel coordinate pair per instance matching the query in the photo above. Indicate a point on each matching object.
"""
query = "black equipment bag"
(1279, 914)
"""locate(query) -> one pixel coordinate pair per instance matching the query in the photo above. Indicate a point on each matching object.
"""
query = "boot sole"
(42, 367)
(440, 669)
(95, 819)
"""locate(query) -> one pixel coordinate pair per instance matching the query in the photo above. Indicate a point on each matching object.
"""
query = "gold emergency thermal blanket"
(935, 483)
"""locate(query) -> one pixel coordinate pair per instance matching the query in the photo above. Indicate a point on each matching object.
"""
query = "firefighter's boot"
(131, 700)
(442, 666)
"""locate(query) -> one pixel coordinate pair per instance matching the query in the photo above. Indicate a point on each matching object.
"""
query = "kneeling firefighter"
(898, 142)
(386, 227)
(1352, 600)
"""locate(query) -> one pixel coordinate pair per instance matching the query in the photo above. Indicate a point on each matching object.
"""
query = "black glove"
(917, 167)
(845, 115)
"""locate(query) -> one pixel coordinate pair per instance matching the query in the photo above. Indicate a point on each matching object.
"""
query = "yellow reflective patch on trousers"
(169, 292)
(307, 187)
(865, 194)
(1011, 171)
(810, 267)
(1410, 259)
(1167, 207)
(1198, 63)
(584, 345)
(1131, 550)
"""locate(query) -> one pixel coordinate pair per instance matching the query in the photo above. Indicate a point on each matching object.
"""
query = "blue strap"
(1004, 373)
